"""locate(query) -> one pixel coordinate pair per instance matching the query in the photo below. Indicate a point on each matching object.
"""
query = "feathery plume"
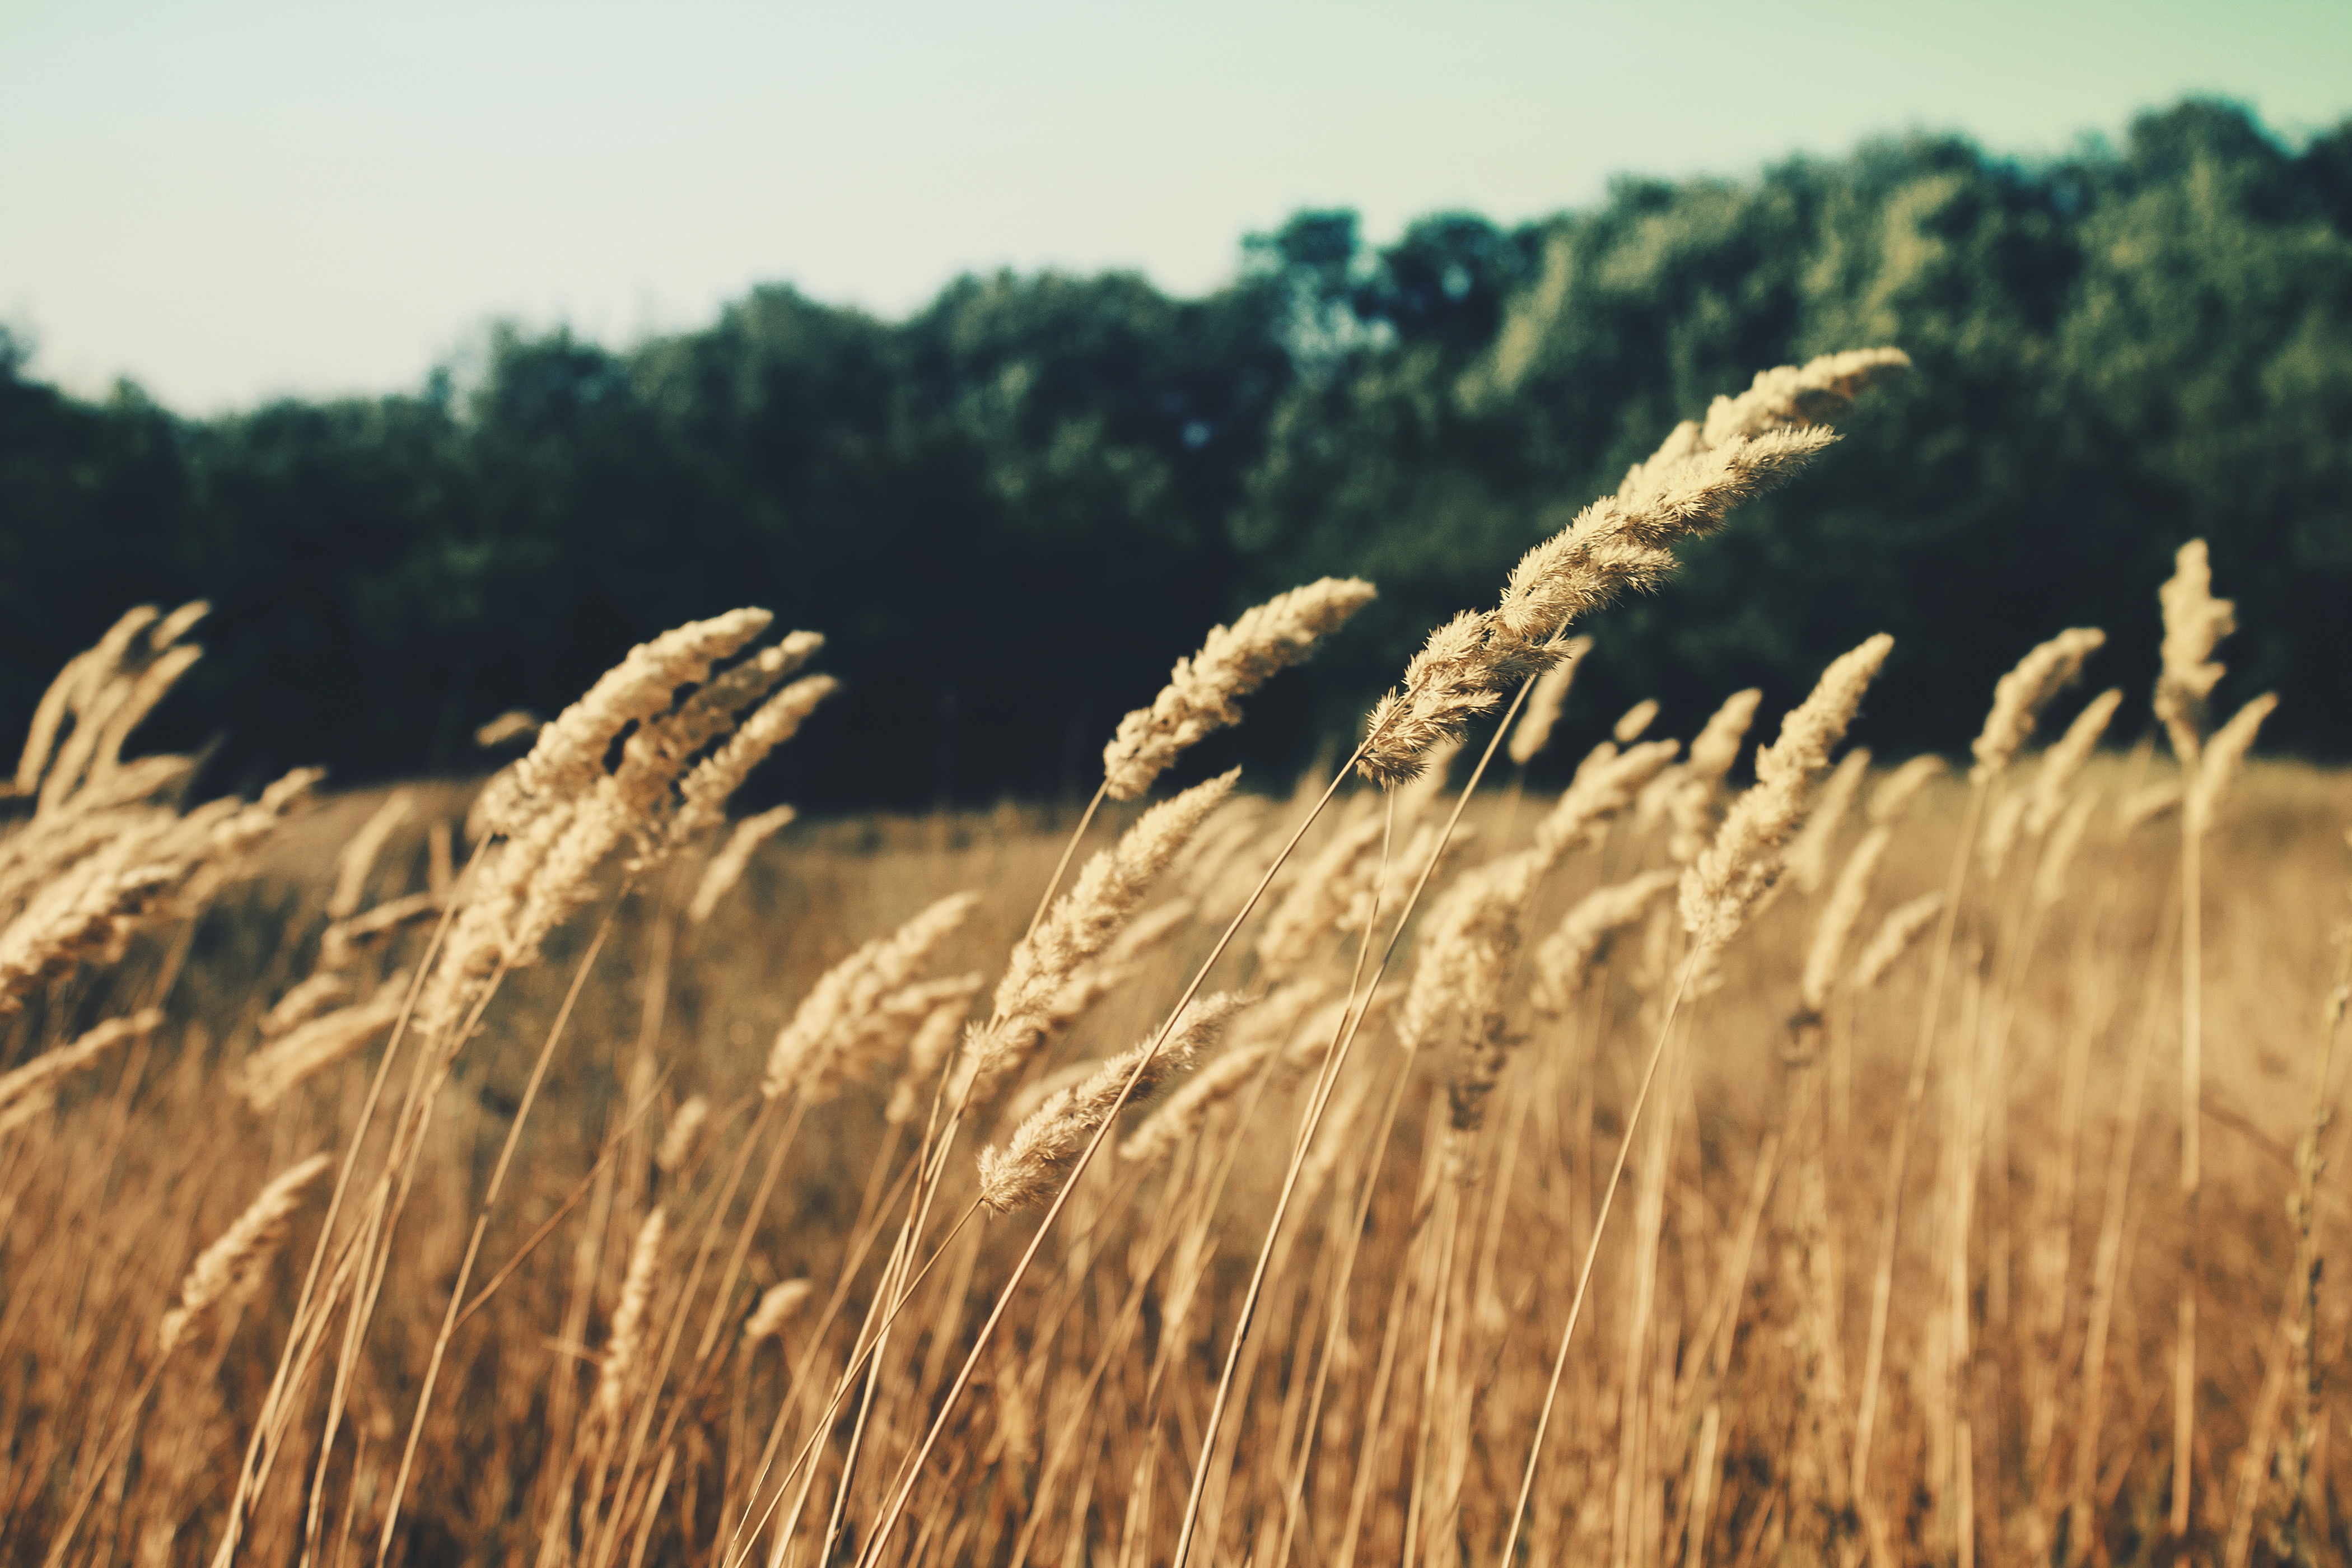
(1621, 542)
(1564, 960)
(1533, 731)
(556, 814)
(2063, 762)
(1726, 880)
(1699, 781)
(2001, 831)
(304, 1003)
(1265, 1028)
(707, 789)
(1898, 789)
(1320, 895)
(778, 1302)
(1808, 860)
(2019, 696)
(234, 1263)
(357, 857)
(1451, 681)
(1634, 722)
(842, 1019)
(2058, 854)
(1902, 927)
(568, 758)
(629, 1318)
(2194, 623)
(514, 724)
(1606, 783)
(1234, 661)
(1838, 919)
(685, 1127)
(344, 942)
(20, 1085)
(727, 867)
(1800, 395)
(1075, 930)
(139, 697)
(178, 624)
(140, 872)
(2218, 766)
(1044, 1148)
(269, 1074)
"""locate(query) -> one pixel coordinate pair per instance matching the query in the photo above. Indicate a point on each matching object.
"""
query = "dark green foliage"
(1010, 512)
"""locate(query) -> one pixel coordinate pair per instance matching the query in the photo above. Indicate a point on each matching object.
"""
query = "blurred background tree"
(1011, 511)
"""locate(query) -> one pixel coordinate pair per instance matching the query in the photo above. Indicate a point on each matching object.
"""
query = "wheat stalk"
(1077, 930)
(269, 1074)
(34, 1079)
(1045, 1148)
(726, 867)
(1234, 661)
(1808, 860)
(357, 858)
(778, 1302)
(233, 1262)
(1533, 731)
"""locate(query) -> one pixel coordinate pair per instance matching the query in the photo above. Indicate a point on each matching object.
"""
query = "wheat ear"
(2195, 622)
(778, 1302)
(270, 1073)
(1724, 883)
(22, 1085)
(1808, 860)
(1565, 959)
(1233, 662)
(1634, 722)
(621, 1346)
(846, 1016)
(357, 858)
(727, 867)
(1904, 925)
(1533, 731)
(1076, 929)
(234, 1263)
(1044, 1149)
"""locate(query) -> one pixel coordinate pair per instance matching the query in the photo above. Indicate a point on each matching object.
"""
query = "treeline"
(1011, 511)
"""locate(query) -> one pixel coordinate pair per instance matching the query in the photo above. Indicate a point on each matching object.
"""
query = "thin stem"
(247, 1479)
(1898, 1163)
(1335, 1060)
(1005, 1299)
(2193, 1078)
(1054, 884)
(482, 1224)
(1592, 1247)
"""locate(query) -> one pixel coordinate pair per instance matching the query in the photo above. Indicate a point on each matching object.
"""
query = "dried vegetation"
(1711, 1163)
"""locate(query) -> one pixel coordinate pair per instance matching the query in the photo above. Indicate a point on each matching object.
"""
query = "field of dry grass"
(1673, 1170)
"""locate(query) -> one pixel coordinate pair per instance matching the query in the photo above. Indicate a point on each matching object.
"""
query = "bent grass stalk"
(1335, 1060)
(482, 1224)
(1592, 1248)
(881, 1536)
(252, 1467)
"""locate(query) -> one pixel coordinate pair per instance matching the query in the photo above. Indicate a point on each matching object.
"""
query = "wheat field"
(1876, 1162)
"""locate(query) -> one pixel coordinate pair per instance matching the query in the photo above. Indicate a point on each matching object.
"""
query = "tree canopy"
(1011, 511)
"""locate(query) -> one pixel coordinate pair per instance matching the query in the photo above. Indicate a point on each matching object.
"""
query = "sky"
(252, 198)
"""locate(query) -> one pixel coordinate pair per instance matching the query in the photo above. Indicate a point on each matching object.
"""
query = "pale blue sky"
(243, 197)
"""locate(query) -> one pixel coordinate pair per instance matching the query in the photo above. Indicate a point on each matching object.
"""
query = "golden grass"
(656, 1232)
(1748, 1283)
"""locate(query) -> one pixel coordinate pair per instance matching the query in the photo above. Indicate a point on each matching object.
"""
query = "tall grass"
(626, 1197)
